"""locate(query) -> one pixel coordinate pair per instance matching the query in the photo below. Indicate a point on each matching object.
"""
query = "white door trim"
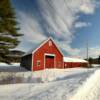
(52, 55)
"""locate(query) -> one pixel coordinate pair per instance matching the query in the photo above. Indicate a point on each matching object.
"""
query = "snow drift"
(9, 65)
(57, 85)
(47, 75)
(90, 89)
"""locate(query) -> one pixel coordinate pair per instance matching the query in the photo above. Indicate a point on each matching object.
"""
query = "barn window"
(38, 62)
(50, 43)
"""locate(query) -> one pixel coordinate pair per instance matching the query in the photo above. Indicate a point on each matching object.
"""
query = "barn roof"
(69, 59)
(33, 48)
(36, 47)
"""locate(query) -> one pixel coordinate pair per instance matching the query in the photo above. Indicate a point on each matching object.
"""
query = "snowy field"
(13, 67)
(53, 84)
(90, 90)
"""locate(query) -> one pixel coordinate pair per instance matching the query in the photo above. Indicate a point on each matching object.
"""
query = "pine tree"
(8, 30)
(99, 60)
(90, 61)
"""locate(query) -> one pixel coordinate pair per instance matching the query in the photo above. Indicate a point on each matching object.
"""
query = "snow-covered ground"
(90, 90)
(96, 65)
(55, 84)
(13, 67)
(9, 65)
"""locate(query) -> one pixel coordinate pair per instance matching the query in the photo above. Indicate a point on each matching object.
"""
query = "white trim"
(48, 54)
(56, 45)
(63, 64)
(40, 45)
(55, 61)
(44, 61)
(44, 43)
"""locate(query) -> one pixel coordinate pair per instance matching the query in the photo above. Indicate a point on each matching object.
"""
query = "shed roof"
(69, 59)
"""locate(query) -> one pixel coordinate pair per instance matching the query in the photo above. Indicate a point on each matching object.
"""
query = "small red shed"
(74, 62)
(46, 55)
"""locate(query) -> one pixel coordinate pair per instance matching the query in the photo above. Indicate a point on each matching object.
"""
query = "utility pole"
(87, 51)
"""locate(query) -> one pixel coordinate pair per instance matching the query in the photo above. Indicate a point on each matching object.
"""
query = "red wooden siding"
(47, 48)
(74, 64)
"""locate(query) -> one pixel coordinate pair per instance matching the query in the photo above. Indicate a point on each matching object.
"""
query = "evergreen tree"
(90, 61)
(8, 30)
(99, 60)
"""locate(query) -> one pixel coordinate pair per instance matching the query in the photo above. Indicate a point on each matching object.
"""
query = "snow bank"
(9, 65)
(95, 65)
(46, 75)
(13, 67)
(90, 90)
(66, 82)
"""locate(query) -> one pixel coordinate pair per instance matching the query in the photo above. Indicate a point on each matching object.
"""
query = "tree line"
(94, 60)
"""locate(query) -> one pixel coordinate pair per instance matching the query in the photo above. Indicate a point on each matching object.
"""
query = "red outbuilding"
(46, 55)
(74, 62)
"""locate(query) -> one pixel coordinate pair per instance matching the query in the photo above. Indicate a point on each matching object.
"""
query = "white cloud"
(56, 18)
(92, 52)
(82, 52)
(81, 24)
(75, 52)
(30, 28)
(87, 7)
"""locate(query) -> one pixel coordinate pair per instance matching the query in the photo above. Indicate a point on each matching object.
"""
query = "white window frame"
(38, 63)
(50, 43)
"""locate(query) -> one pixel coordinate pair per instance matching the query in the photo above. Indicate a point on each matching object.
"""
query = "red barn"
(74, 62)
(46, 55)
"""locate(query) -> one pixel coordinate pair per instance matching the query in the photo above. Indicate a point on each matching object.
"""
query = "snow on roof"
(33, 48)
(30, 51)
(69, 59)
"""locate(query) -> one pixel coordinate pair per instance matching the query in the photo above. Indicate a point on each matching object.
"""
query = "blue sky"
(92, 33)
(69, 22)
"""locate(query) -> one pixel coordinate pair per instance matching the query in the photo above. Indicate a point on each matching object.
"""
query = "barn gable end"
(50, 38)
(48, 55)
